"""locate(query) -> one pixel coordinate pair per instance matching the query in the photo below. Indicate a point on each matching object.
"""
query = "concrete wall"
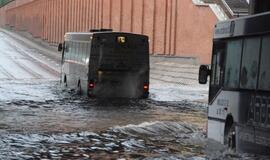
(175, 27)
(3, 12)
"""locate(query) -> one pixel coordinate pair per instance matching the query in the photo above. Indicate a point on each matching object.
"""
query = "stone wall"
(175, 27)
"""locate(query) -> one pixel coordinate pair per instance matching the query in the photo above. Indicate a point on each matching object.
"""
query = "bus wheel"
(230, 138)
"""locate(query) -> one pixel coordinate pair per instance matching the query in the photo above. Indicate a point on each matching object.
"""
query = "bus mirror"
(204, 72)
(60, 47)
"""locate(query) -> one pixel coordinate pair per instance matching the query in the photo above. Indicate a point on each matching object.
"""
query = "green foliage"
(4, 2)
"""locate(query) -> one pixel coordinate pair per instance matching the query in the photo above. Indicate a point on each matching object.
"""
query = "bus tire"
(230, 134)
(232, 138)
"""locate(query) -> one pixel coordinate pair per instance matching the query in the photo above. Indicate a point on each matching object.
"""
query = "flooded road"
(41, 120)
(65, 125)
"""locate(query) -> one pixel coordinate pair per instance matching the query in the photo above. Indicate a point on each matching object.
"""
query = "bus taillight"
(146, 87)
(91, 85)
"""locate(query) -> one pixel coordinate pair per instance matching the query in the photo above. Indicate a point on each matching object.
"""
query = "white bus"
(103, 63)
(239, 94)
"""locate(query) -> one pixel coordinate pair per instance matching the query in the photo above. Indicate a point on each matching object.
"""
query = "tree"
(4, 2)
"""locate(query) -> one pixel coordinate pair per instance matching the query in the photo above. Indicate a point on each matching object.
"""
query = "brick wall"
(175, 27)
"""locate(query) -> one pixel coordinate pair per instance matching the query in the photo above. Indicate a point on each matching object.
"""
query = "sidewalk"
(37, 44)
(171, 78)
(176, 79)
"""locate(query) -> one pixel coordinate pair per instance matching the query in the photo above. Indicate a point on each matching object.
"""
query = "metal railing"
(228, 7)
(234, 13)
(217, 10)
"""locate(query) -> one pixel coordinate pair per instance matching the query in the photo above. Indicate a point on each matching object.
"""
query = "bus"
(103, 63)
(239, 94)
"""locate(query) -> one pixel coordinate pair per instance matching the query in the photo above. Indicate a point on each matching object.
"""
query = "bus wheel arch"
(229, 133)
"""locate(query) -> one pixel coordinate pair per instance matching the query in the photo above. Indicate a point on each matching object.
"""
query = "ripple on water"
(118, 141)
(149, 140)
(155, 140)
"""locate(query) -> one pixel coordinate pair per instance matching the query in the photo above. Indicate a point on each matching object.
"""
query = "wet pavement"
(39, 119)
(65, 125)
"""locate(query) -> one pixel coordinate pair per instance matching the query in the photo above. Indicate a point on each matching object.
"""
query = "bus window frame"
(261, 37)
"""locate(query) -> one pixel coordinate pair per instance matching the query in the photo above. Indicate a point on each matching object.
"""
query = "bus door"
(217, 68)
(215, 111)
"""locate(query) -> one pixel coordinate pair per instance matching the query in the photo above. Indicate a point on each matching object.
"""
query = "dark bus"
(239, 95)
(106, 64)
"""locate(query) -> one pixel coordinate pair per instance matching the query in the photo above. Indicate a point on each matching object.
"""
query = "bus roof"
(244, 26)
(86, 36)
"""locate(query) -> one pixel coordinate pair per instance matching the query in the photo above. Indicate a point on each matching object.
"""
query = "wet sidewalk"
(176, 79)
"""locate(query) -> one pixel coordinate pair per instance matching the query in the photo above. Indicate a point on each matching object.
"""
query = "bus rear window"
(123, 53)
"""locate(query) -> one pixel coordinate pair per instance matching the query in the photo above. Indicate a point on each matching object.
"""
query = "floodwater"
(41, 120)
(60, 124)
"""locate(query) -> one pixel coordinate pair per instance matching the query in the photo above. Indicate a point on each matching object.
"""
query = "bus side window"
(80, 52)
(88, 50)
(217, 64)
(77, 49)
(217, 75)
(214, 63)
(76, 52)
(71, 53)
(67, 50)
(84, 52)
(233, 62)
(264, 76)
(250, 63)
